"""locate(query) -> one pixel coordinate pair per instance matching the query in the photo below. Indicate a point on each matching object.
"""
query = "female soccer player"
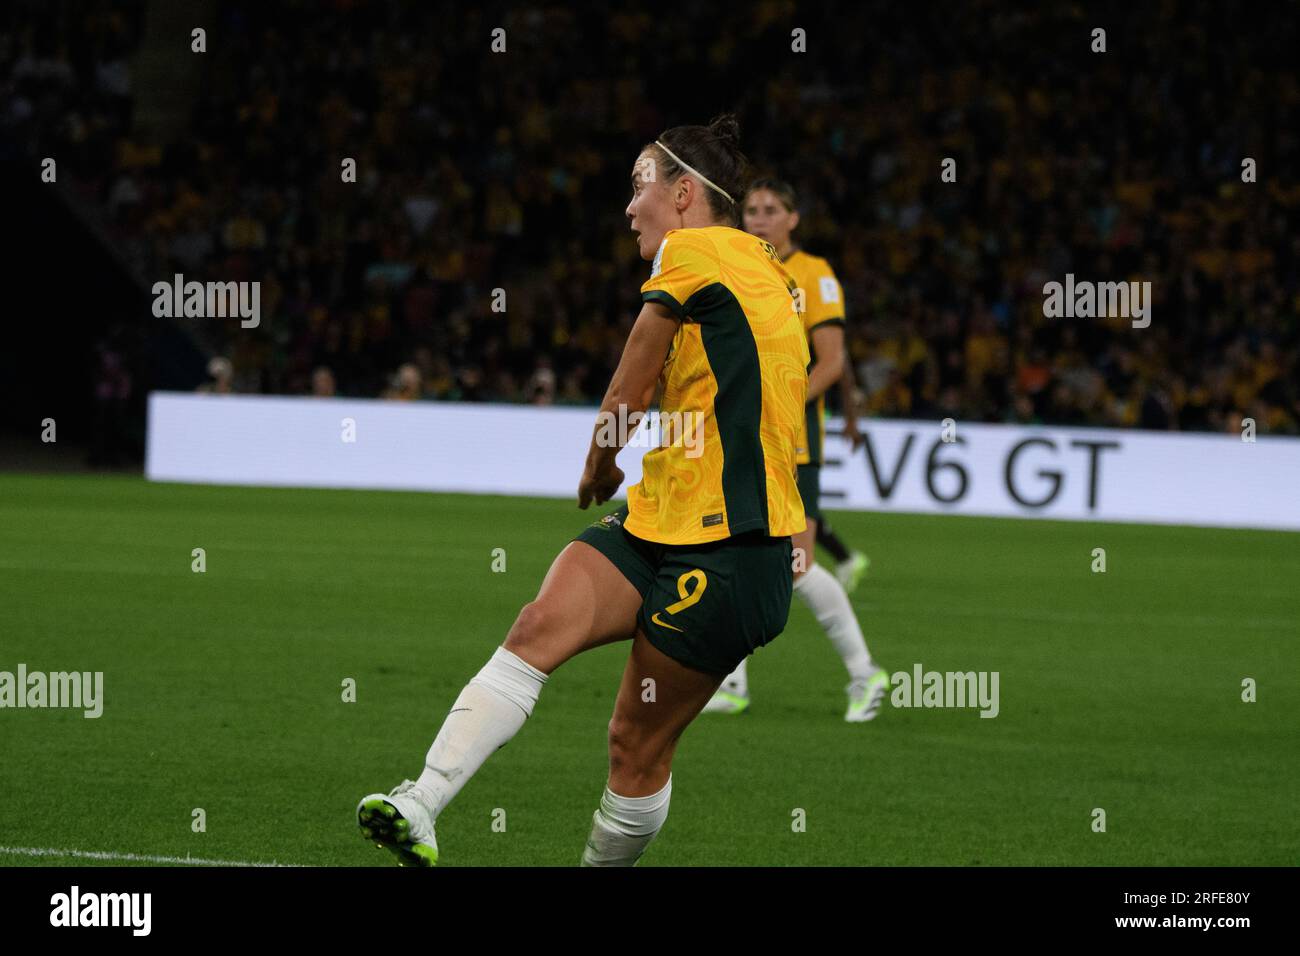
(770, 214)
(695, 569)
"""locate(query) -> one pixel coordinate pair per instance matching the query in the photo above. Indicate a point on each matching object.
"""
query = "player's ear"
(794, 219)
(682, 190)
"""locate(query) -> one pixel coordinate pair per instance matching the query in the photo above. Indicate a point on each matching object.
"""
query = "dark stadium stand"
(478, 172)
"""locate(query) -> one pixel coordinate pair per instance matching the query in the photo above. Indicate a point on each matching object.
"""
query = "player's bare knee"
(533, 626)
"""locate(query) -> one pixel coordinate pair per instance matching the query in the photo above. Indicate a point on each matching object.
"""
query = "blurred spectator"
(220, 377)
(407, 386)
(112, 391)
(322, 383)
(541, 384)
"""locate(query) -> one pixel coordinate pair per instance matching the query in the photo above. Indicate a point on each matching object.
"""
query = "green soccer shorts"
(810, 490)
(707, 606)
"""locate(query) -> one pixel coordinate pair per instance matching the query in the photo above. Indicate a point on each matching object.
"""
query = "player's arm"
(849, 403)
(629, 392)
(828, 344)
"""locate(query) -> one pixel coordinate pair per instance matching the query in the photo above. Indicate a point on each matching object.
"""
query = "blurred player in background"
(695, 569)
(770, 213)
(850, 566)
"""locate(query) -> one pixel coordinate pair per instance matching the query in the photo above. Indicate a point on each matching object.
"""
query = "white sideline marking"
(131, 857)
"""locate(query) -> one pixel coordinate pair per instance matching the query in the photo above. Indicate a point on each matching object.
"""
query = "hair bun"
(727, 129)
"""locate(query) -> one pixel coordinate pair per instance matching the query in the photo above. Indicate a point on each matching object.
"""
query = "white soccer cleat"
(851, 571)
(401, 824)
(725, 702)
(866, 696)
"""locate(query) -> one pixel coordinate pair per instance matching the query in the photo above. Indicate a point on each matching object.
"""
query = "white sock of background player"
(826, 598)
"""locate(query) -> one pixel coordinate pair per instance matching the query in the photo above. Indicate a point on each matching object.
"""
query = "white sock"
(488, 712)
(825, 597)
(737, 682)
(624, 826)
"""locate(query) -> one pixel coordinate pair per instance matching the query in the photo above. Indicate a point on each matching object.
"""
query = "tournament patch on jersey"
(829, 287)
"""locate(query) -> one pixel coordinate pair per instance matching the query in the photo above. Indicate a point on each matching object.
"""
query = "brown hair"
(714, 152)
(783, 191)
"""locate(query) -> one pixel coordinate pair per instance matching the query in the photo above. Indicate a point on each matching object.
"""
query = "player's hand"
(599, 486)
(855, 437)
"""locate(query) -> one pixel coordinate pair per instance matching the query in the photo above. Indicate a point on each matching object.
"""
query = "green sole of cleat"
(738, 704)
(383, 824)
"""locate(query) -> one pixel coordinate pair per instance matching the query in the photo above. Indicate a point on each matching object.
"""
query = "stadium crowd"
(481, 171)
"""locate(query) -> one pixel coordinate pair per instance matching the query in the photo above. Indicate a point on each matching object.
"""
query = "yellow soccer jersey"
(823, 302)
(735, 380)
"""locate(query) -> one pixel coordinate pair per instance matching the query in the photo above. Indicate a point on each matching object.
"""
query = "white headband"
(696, 173)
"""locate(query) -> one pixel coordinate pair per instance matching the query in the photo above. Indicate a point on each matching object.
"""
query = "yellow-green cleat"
(724, 702)
(401, 824)
(851, 572)
(866, 696)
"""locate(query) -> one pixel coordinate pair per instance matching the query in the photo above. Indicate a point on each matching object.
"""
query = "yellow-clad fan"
(770, 213)
(696, 569)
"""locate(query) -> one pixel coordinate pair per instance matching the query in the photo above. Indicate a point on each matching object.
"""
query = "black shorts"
(707, 606)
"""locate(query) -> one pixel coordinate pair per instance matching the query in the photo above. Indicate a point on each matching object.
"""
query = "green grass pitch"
(1119, 691)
